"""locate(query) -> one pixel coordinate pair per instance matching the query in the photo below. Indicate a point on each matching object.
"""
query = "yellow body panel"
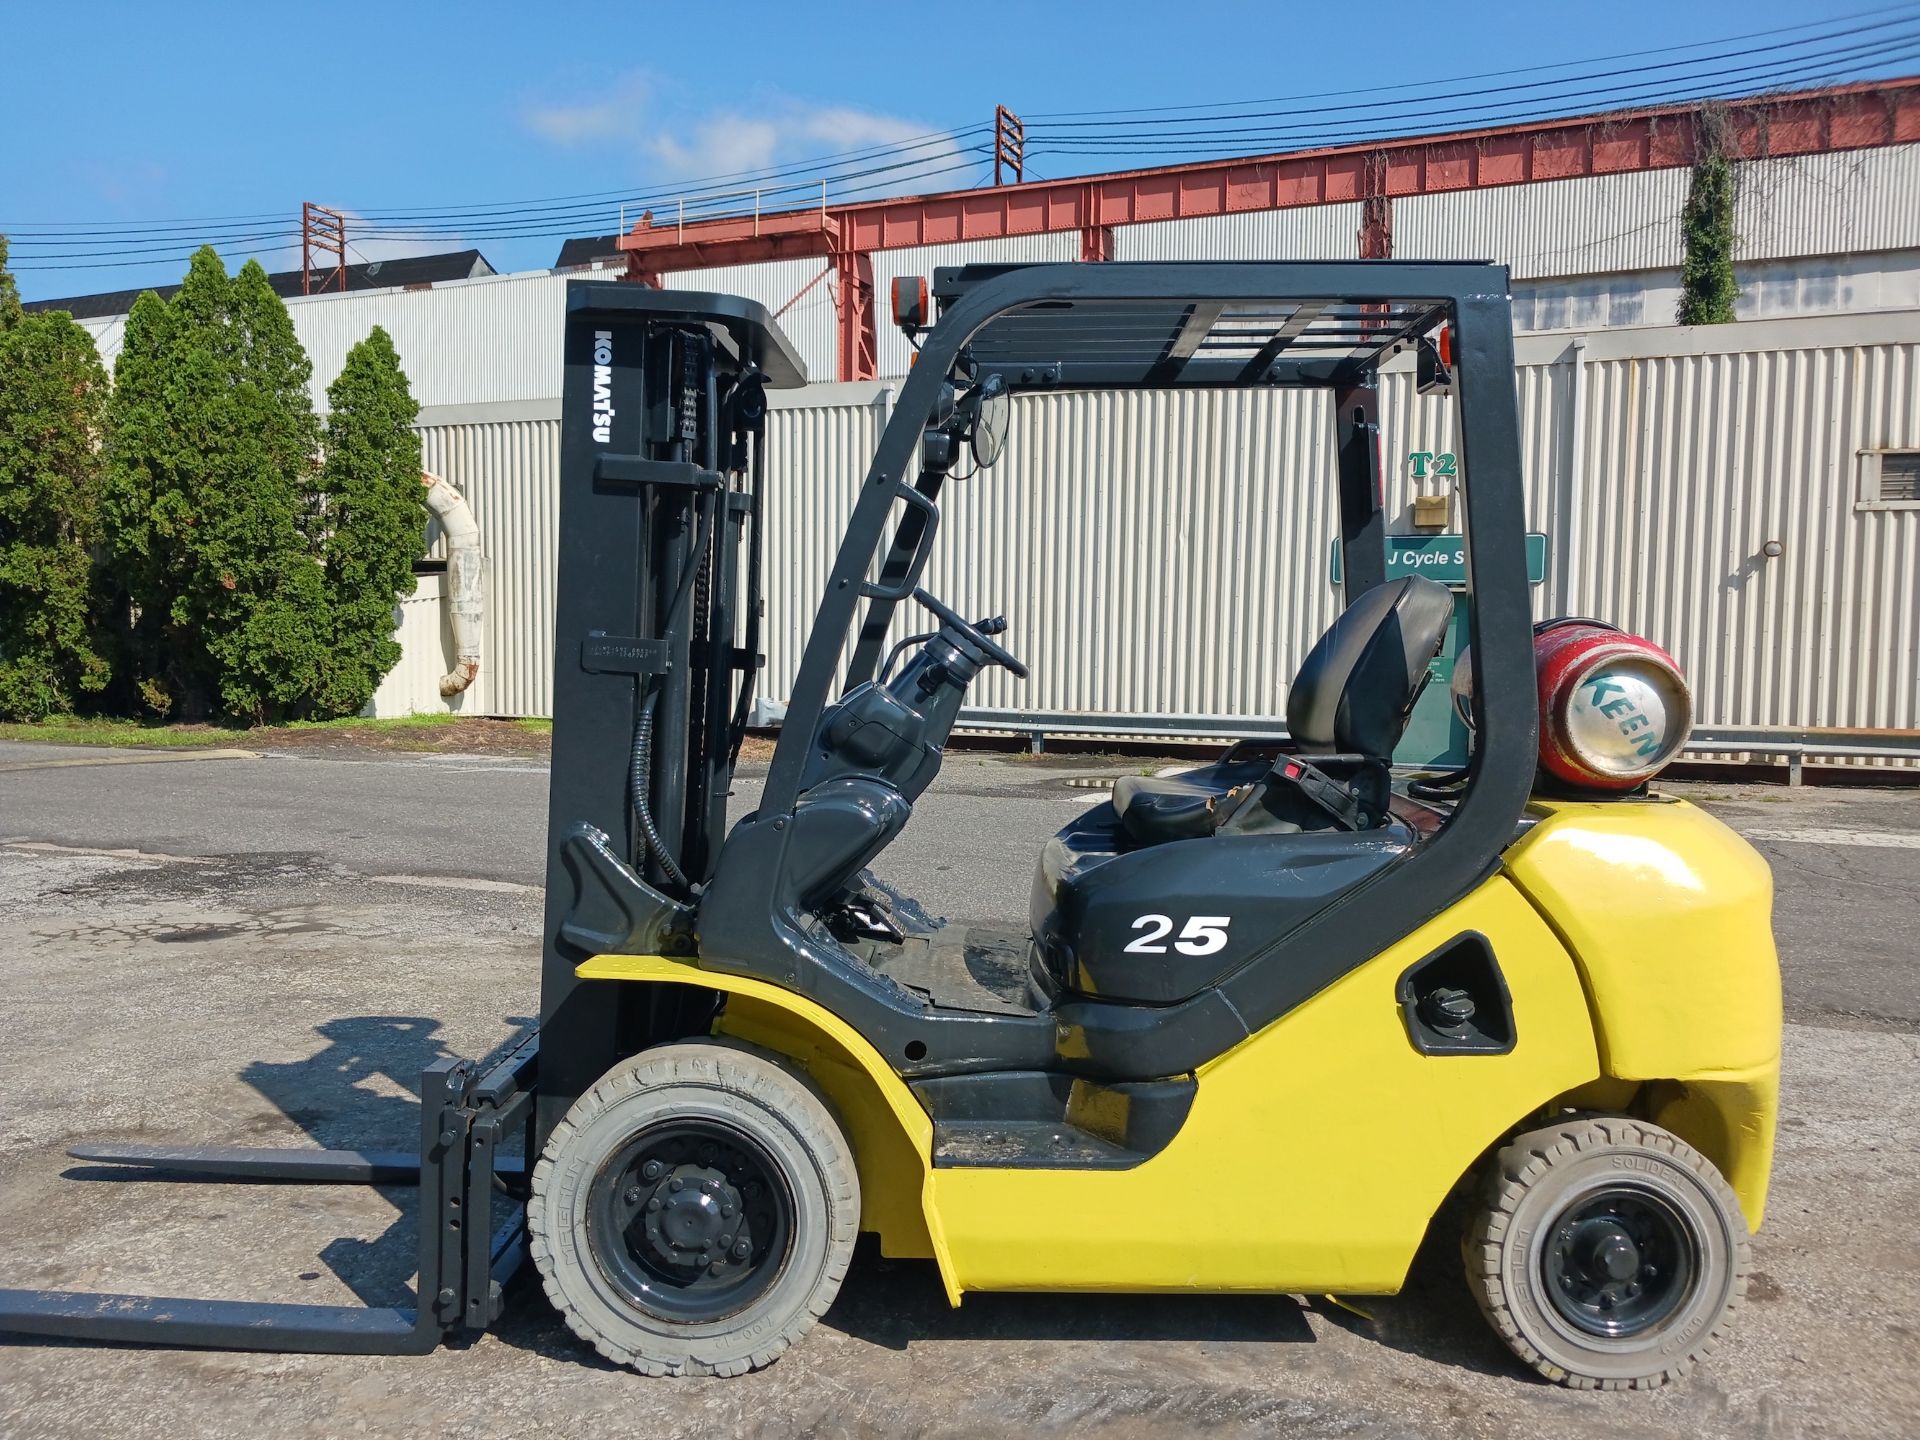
(1635, 941)
(892, 1137)
(1316, 1151)
(1669, 916)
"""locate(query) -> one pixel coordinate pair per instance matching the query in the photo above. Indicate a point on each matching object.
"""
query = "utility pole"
(323, 232)
(1009, 145)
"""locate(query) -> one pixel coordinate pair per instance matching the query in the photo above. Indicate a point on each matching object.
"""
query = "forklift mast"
(657, 633)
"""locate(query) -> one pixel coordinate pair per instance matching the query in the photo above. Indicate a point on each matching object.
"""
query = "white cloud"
(724, 145)
(671, 142)
(612, 115)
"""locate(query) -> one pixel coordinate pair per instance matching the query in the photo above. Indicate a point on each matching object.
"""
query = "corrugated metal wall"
(509, 472)
(1848, 202)
(1168, 555)
(1769, 290)
(1831, 204)
(424, 628)
(1693, 463)
(464, 342)
(1307, 232)
(1551, 227)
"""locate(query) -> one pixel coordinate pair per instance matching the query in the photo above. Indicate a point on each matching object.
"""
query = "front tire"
(1607, 1253)
(695, 1211)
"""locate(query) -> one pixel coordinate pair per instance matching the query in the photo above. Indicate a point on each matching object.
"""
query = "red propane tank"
(1614, 708)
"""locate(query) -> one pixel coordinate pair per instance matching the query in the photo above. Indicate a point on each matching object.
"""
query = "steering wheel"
(952, 618)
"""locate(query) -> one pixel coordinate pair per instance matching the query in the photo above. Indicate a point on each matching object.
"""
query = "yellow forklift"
(1266, 1017)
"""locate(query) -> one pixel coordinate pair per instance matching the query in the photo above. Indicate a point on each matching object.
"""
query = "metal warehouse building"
(1746, 494)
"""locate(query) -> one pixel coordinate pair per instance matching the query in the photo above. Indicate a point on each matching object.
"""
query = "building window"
(1889, 480)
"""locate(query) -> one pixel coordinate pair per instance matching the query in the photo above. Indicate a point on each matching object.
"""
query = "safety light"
(910, 311)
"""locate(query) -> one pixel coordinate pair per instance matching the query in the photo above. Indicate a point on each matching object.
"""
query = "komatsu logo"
(603, 387)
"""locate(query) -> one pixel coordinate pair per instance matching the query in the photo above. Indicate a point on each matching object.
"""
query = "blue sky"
(150, 113)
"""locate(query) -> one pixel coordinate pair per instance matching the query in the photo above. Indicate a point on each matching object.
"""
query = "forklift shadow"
(894, 1303)
(1433, 1317)
(359, 1091)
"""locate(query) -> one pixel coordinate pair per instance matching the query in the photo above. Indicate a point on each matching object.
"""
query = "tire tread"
(1520, 1165)
(707, 1063)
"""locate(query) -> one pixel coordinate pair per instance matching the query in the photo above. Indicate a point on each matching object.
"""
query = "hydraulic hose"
(640, 777)
(1440, 787)
(638, 780)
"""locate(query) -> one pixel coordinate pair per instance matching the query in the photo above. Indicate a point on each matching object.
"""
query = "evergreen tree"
(375, 516)
(52, 400)
(145, 454)
(210, 474)
(271, 359)
(1708, 288)
(9, 292)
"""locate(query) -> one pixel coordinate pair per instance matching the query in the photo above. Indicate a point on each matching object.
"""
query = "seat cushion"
(1153, 810)
(1358, 684)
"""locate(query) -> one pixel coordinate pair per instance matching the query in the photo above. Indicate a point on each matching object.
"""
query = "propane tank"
(1614, 707)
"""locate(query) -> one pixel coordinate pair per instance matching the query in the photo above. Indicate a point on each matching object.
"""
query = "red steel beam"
(1846, 117)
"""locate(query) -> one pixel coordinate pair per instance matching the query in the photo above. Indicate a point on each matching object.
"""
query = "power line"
(603, 199)
(1778, 82)
(852, 174)
(1428, 98)
(1743, 79)
(1909, 6)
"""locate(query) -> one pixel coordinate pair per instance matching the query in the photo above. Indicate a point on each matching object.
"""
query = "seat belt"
(1323, 790)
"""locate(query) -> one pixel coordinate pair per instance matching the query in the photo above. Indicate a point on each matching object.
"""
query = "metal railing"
(701, 212)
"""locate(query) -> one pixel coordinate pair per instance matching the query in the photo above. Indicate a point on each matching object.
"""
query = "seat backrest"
(1358, 684)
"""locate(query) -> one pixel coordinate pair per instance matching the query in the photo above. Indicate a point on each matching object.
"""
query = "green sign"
(1444, 558)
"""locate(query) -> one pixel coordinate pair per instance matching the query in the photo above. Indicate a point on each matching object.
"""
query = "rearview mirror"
(992, 415)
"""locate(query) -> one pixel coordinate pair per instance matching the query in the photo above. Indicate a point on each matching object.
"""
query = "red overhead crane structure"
(1848, 117)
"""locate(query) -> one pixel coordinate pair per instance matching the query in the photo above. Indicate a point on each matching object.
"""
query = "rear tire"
(694, 1212)
(1607, 1253)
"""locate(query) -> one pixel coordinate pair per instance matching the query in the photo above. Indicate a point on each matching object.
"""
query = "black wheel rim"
(690, 1220)
(1619, 1261)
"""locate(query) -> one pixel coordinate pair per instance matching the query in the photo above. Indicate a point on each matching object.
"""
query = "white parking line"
(129, 757)
(47, 847)
(457, 882)
(1872, 839)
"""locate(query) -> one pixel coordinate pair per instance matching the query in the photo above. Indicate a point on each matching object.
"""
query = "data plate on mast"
(623, 655)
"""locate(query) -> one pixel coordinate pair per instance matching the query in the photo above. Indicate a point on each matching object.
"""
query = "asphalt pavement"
(267, 949)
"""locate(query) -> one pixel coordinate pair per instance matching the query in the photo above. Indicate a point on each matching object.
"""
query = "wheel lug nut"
(716, 1267)
(727, 1211)
(652, 1170)
(676, 1183)
(741, 1250)
(725, 1240)
(654, 1204)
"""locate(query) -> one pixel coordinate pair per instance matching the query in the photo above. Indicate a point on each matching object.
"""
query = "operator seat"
(1346, 711)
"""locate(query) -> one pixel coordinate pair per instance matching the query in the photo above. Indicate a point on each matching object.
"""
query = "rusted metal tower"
(323, 233)
(1009, 145)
